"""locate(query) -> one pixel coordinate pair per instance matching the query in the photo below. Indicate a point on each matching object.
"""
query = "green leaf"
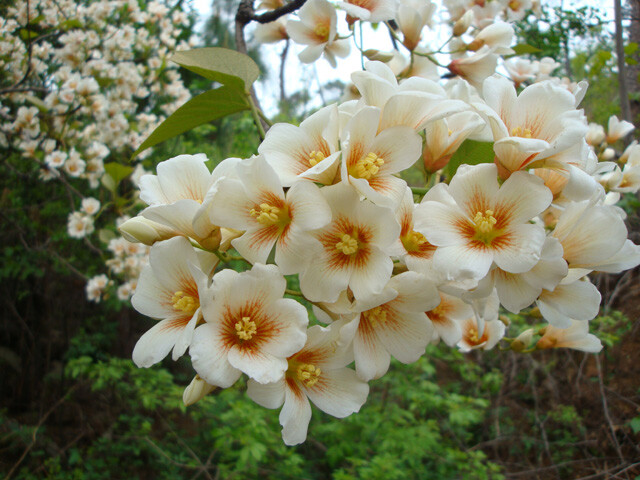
(27, 35)
(108, 182)
(523, 49)
(631, 48)
(105, 235)
(71, 23)
(470, 152)
(228, 67)
(202, 109)
(117, 171)
(635, 424)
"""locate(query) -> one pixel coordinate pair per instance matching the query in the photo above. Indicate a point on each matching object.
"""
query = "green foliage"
(204, 108)
(470, 152)
(227, 67)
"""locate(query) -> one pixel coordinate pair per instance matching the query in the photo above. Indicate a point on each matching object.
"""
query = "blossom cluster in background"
(83, 84)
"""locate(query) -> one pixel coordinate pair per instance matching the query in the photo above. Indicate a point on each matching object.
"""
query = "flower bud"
(141, 230)
(228, 234)
(196, 391)
(608, 154)
(373, 54)
(212, 241)
(522, 341)
(463, 23)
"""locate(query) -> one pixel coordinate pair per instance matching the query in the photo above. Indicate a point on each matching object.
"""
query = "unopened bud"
(463, 23)
(504, 319)
(373, 54)
(228, 234)
(196, 390)
(212, 241)
(608, 154)
(522, 341)
(142, 230)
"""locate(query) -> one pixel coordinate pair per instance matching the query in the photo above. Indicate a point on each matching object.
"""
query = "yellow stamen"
(348, 245)
(520, 132)
(472, 336)
(367, 167)
(376, 315)
(322, 31)
(308, 374)
(185, 303)
(484, 221)
(246, 328)
(315, 157)
(413, 241)
(268, 214)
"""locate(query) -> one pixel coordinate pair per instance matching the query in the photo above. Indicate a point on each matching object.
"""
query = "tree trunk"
(632, 13)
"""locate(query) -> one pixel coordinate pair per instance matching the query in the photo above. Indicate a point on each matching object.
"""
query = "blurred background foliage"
(73, 405)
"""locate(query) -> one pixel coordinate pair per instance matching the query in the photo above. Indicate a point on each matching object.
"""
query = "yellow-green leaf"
(202, 109)
(470, 152)
(228, 67)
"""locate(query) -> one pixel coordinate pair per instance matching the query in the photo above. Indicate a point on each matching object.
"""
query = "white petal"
(339, 392)
(406, 335)
(522, 249)
(372, 359)
(209, 357)
(371, 277)
(268, 395)
(157, 342)
(262, 367)
(308, 208)
(295, 416)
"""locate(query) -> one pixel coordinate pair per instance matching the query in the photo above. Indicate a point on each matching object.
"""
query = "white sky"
(299, 76)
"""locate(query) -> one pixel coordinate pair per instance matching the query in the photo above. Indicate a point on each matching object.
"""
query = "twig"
(35, 431)
(606, 408)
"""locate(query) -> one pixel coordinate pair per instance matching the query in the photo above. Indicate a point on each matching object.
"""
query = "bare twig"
(35, 431)
(605, 408)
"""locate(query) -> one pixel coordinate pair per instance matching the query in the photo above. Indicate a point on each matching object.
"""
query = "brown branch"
(605, 408)
(278, 12)
(35, 431)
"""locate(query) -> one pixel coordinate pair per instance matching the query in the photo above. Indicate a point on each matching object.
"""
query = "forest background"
(74, 406)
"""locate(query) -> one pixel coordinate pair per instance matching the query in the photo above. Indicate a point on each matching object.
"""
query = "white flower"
(170, 288)
(534, 128)
(474, 222)
(520, 69)
(579, 300)
(472, 339)
(317, 29)
(477, 67)
(309, 151)
(256, 204)
(318, 373)
(350, 252)
(271, 32)
(575, 336)
(498, 36)
(249, 328)
(447, 318)
(175, 197)
(393, 322)
(369, 160)
(90, 205)
(79, 225)
(373, 11)
(95, 287)
(618, 129)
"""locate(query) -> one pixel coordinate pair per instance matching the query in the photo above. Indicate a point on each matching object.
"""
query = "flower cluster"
(324, 201)
(387, 267)
(83, 84)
